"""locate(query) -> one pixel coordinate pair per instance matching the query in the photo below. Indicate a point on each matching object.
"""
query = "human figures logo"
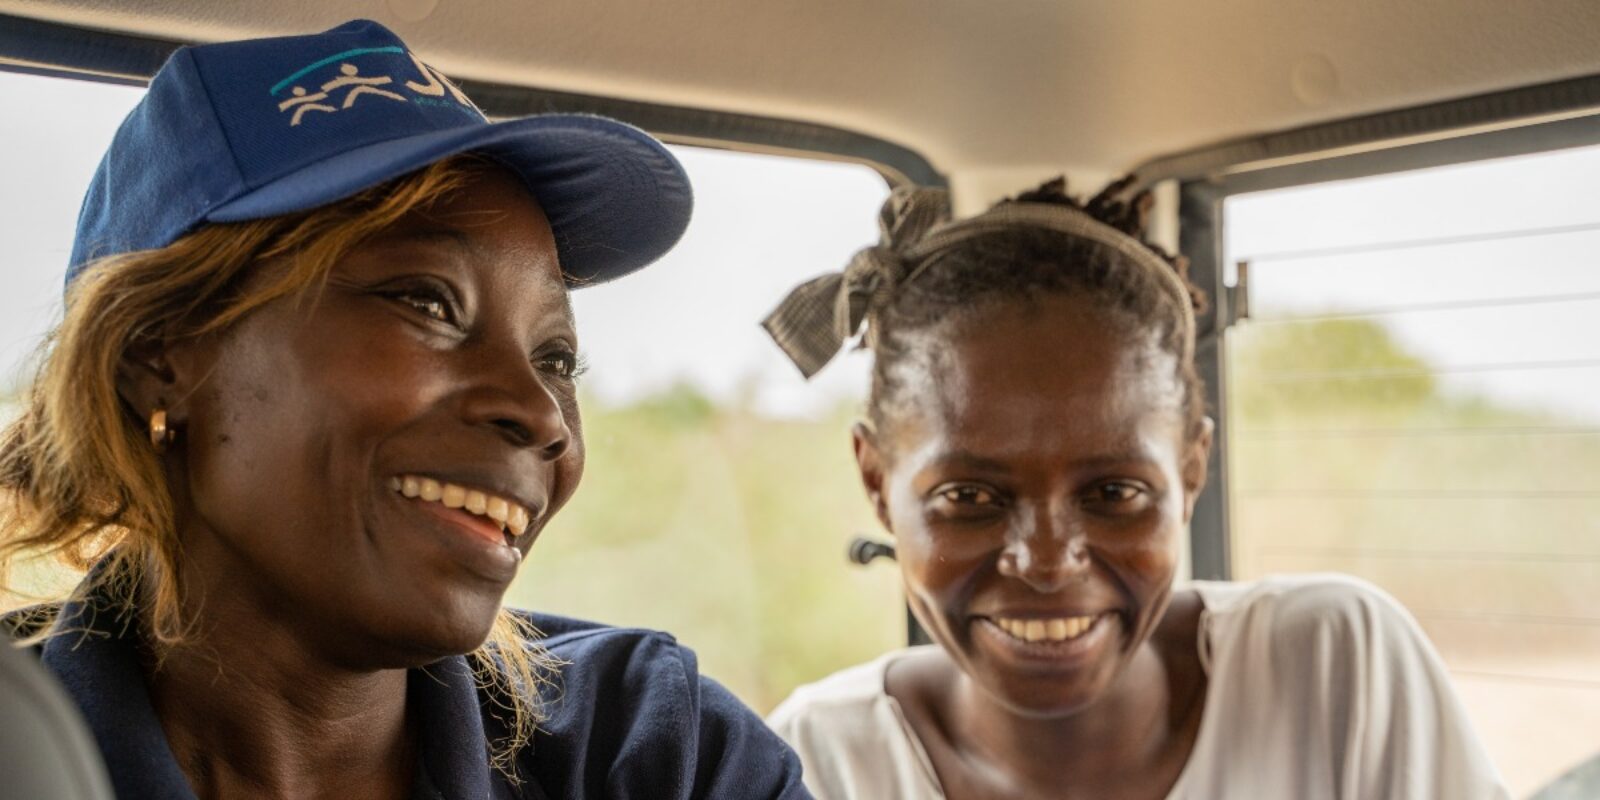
(349, 76)
(431, 88)
(302, 102)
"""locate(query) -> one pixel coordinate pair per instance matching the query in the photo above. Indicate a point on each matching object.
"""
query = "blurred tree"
(1338, 366)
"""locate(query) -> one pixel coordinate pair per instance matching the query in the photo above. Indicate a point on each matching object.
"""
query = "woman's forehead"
(1079, 424)
(1063, 348)
(491, 203)
(1058, 372)
(491, 221)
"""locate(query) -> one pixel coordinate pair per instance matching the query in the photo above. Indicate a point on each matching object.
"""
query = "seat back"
(45, 748)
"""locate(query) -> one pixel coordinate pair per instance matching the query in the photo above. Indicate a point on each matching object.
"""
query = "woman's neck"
(1128, 736)
(251, 711)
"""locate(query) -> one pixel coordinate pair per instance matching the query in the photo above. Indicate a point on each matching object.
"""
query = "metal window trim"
(1445, 122)
(1200, 239)
(58, 50)
(1524, 121)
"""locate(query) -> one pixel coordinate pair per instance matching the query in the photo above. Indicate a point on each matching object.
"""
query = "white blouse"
(1320, 687)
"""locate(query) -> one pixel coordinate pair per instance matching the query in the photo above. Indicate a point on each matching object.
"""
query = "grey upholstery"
(45, 749)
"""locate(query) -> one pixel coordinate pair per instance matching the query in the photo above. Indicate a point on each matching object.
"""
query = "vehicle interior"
(1390, 205)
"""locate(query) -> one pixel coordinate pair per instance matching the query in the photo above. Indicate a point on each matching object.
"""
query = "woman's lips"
(1046, 629)
(481, 527)
(475, 541)
(503, 513)
(1060, 640)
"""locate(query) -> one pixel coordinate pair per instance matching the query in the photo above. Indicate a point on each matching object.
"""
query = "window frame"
(1522, 121)
(65, 51)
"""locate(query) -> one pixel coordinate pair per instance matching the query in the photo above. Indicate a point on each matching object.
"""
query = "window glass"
(1413, 401)
(47, 156)
(720, 494)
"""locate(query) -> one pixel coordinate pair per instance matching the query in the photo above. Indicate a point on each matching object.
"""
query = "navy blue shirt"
(629, 717)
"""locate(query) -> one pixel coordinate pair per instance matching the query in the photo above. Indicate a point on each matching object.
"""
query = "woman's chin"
(420, 635)
(448, 635)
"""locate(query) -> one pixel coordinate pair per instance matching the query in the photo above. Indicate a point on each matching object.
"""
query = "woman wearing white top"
(1035, 441)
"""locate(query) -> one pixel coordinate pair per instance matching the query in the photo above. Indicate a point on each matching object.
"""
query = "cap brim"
(616, 198)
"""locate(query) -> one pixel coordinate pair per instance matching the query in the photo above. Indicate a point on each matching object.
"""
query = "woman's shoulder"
(621, 692)
(853, 737)
(563, 636)
(1325, 678)
(1291, 631)
(1303, 605)
(634, 669)
(845, 697)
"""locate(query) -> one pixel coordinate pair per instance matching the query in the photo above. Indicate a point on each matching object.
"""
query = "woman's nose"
(507, 394)
(1048, 555)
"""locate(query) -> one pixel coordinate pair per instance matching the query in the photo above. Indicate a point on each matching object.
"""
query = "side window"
(1412, 400)
(720, 493)
(47, 158)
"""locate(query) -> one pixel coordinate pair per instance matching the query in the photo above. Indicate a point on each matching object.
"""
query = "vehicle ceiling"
(977, 86)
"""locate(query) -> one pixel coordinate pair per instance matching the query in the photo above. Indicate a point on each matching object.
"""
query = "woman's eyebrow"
(966, 459)
(428, 234)
(1118, 459)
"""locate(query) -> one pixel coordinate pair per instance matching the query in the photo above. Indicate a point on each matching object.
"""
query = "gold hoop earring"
(161, 436)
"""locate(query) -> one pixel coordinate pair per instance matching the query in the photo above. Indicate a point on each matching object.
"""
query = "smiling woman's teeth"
(512, 517)
(1058, 629)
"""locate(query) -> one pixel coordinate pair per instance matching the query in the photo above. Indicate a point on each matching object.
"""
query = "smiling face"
(326, 437)
(1037, 477)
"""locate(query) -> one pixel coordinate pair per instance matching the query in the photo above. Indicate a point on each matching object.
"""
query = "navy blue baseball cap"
(265, 127)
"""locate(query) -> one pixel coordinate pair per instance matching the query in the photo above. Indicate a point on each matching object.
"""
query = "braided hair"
(1023, 264)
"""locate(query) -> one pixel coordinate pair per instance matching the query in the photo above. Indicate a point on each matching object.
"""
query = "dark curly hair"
(1021, 264)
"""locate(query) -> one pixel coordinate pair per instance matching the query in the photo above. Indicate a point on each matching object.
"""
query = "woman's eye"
(1118, 491)
(433, 308)
(561, 365)
(968, 496)
(1115, 493)
(429, 304)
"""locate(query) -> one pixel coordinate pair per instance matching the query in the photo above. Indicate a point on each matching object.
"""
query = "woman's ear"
(1196, 457)
(869, 460)
(155, 374)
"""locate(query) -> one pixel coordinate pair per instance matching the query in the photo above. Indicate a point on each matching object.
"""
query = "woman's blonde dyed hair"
(80, 479)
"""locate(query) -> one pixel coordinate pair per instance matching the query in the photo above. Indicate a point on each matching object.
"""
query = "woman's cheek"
(569, 472)
(1148, 563)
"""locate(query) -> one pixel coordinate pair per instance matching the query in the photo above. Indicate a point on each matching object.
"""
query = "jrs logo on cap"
(347, 84)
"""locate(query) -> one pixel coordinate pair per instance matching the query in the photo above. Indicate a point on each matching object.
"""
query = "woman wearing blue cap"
(311, 403)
